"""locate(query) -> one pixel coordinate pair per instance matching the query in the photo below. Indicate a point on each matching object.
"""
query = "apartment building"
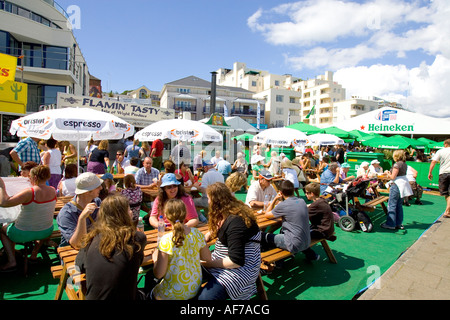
(191, 97)
(49, 61)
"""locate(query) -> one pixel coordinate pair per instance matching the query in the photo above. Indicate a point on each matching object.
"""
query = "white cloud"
(343, 36)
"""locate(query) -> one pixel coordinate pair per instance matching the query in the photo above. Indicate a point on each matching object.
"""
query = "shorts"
(444, 184)
(20, 236)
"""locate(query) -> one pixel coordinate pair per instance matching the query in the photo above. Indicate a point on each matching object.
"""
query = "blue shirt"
(67, 220)
(27, 150)
(144, 179)
(224, 167)
(327, 177)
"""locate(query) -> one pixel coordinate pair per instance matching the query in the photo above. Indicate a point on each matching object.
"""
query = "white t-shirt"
(256, 193)
(443, 157)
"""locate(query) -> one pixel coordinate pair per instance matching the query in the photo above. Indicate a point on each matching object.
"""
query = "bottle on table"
(161, 227)
(140, 225)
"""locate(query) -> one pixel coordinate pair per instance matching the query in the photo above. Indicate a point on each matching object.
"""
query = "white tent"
(237, 124)
(396, 121)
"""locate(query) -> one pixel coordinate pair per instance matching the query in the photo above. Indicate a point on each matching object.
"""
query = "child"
(134, 195)
(177, 259)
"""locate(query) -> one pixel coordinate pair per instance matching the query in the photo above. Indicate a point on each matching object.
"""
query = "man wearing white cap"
(75, 218)
(363, 170)
(375, 169)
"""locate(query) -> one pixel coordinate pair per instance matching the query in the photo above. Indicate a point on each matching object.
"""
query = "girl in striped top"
(236, 259)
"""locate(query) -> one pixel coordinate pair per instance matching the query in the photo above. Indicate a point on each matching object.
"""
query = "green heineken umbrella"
(305, 128)
(394, 142)
(361, 135)
(414, 143)
(436, 145)
(426, 140)
(245, 136)
(339, 133)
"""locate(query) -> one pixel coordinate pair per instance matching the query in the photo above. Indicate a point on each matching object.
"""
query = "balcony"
(178, 108)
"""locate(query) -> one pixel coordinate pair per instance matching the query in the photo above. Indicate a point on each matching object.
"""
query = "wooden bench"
(268, 258)
(370, 205)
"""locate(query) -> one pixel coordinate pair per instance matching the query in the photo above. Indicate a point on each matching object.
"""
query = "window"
(280, 111)
(279, 98)
(55, 57)
(253, 83)
(291, 100)
(183, 90)
(277, 82)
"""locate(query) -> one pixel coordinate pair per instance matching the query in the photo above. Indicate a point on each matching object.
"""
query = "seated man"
(210, 176)
(77, 216)
(147, 177)
(331, 175)
(295, 231)
(259, 189)
(120, 163)
(375, 169)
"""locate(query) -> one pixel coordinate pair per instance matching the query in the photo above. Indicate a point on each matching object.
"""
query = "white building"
(52, 62)
(191, 96)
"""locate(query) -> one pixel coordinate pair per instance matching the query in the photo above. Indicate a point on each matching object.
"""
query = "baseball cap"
(345, 165)
(364, 163)
(107, 176)
(169, 179)
(207, 163)
(265, 174)
(374, 161)
(87, 181)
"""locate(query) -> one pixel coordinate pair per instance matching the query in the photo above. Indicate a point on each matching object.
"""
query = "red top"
(159, 147)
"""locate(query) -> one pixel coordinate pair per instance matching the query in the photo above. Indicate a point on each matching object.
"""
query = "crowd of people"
(101, 219)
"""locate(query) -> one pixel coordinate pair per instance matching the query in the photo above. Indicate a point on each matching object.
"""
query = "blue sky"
(394, 49)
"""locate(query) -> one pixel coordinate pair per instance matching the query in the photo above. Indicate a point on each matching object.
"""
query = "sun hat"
(257, 158)
(87, 181)
(345, 165)
(374, 161)
(107, 176)
(265, 174)
(169, 179)
(286, 163)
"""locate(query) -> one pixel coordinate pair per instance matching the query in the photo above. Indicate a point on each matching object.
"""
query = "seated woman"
(236, 181)
(35, 220)
(112, 253)
(172, 188)
(185, 172)
(236, 259)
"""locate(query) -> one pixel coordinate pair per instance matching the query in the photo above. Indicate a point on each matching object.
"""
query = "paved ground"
(422, 272)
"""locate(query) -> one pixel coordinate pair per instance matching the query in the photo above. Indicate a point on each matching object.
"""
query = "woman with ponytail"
(177, 258)
(112, 252)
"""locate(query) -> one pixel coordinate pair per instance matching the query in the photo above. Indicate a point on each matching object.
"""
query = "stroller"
(344, 200)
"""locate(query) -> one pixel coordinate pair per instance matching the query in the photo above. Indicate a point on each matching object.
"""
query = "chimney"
(213, 92)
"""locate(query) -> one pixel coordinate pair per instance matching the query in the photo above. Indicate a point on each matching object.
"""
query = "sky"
(392, 49)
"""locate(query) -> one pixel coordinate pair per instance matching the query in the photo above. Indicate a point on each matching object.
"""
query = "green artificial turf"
(362, 257)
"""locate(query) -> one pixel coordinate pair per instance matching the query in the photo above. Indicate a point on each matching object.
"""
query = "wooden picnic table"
(68, 255)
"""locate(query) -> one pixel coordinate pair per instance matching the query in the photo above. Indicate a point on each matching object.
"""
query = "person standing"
(399, 189)
(26, 150)
(52, 159)
(157, 153)
(99, 158)
(443, 157)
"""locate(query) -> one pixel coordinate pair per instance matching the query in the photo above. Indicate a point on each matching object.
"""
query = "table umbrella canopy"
(436, 145)
(281, 137)
(245, 136)
(339, 133)
(394, 142)
(414, 143)
(71, 124)
(324, 139)
(305, 128)
(179, 130)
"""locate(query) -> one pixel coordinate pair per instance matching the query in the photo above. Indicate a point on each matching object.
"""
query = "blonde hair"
(399, 155)
(41, 173)
(175, 212)
(103, 145)
(236, 181)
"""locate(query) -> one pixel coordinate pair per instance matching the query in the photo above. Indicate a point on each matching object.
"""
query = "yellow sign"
(8, 65)
(13, 97)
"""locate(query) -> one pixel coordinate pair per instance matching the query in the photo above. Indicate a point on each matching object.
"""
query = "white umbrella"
(179, 130)
(281, 137)
(71, 124)
(324, 139)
